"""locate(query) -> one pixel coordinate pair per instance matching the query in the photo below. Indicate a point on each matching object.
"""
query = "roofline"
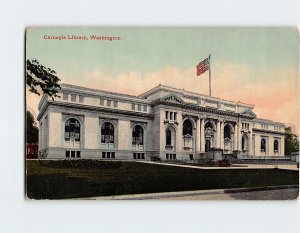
(66, 86)
(261, 120)
(164, 87)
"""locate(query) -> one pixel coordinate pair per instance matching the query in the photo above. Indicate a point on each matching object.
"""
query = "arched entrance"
(228, 139)
(187, 133)
(209, 129)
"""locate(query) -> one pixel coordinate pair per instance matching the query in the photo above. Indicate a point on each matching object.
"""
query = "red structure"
(32, 150)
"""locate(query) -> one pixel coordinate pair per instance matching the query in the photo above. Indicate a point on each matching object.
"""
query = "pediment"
(248, 113)
(172, 98)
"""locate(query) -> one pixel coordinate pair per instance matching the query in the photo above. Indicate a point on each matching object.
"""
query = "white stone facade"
(164, 122)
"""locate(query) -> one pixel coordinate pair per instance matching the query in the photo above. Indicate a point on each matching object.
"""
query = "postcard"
(164, 113)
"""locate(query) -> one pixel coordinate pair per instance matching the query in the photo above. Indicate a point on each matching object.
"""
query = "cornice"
(94, 108)
(267, 131)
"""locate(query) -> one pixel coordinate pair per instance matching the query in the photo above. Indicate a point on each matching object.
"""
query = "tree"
(291, 141)
(32, 132)
(38, 75)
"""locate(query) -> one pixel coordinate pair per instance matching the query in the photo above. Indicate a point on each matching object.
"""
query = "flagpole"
(209, 77)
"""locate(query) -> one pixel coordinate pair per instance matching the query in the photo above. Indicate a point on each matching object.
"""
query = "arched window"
(107, 132)
(168, 137)
(227, 132)
(137, 135)
(187, 128)
(276, 146)
(72, 130)
(263, 145)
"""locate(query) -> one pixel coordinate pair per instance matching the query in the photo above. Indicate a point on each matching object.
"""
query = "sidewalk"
(191, 194)
(234, 166)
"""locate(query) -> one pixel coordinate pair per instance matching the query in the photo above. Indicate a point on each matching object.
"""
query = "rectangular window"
(81, 99)
(102, 102)
(72, 154)
(174, 156)
(175, 116)
(167, 115)
(112, 155)
(67, 154)
(134, 155)
(167, 156)
(103, 155)
(108, 155)
(108, 103)
(171, 115)
(139, 107)
(78, 154)
(145, 108)
(65, 96)
(73, 97)
(115, 104)
(143, 156)
(132, 106)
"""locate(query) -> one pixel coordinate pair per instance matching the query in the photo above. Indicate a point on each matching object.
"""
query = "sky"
(257, 66)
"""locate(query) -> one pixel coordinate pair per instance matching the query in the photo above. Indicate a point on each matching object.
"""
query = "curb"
(154, 196)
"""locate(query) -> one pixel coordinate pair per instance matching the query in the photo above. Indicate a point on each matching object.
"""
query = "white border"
(19, 215)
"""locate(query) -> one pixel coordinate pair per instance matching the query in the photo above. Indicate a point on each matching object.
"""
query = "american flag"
(203, 66)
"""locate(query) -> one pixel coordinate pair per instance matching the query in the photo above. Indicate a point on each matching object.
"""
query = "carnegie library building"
(164, 123)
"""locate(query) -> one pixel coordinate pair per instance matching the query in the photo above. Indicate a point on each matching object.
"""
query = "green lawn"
(50, 182)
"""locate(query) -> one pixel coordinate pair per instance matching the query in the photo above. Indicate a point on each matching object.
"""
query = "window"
(168, 137)
(72, 154)
(139, 107)
(137, 135)
(132, 106)
(263, 145)
(108, 155)
(171, 115)
(73, 97)
(108, 103)
(276, 146)
(187, 128)
(175, 116)
(107, 132)
(102, 102)
(138, 155)
(81, 99)
(167, 156)
(65, 96)
(72, 130)
(167, 115)
(145, 108)
(67, 154)
(78, 154)
(115, 104)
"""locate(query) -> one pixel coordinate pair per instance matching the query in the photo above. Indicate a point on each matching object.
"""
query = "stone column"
(281, 146)
(198, 138)
(250, 145)
(218, 135)
(239, 137)
(235, 137)
(202, 136)
(222, 135)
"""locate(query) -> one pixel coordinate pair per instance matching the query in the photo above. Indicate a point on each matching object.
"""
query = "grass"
(52, 182)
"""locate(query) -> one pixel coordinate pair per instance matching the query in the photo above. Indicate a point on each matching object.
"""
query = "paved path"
(281, 194)
(235, 166)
